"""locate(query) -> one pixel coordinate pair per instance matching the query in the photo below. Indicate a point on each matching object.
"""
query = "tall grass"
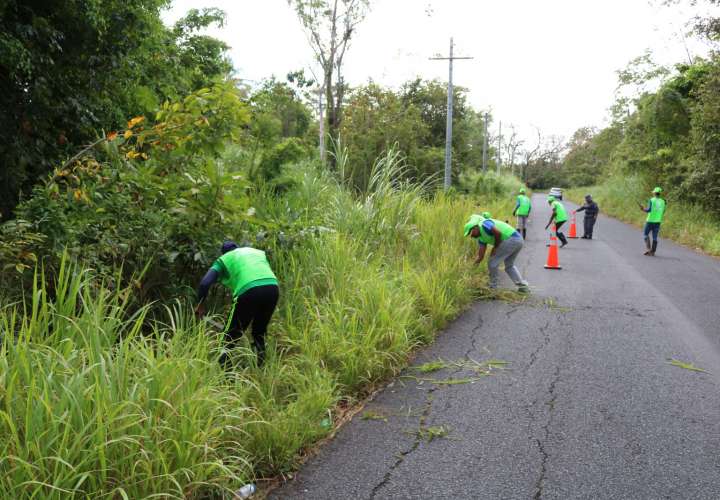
(97, 402)
(489, 184)
(90, 407)
(687, 224)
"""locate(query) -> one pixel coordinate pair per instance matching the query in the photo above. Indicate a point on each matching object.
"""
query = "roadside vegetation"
(109, 386)
(103, 395)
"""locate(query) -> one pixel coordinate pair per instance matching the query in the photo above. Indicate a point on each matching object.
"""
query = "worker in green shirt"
(255, 292)
(655, 210)
(522, 211)
(559, 217)
(506, 243)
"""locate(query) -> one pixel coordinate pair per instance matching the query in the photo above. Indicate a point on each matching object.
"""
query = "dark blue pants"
(651, 227)
(589, 224)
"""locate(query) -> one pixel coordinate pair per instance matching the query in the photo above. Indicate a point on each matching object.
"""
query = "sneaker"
(524, 289)
(563, 245)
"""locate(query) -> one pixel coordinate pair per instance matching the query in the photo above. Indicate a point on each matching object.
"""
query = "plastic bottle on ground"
(246, 491)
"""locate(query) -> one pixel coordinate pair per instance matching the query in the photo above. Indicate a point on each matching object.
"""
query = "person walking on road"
(523, 206)
(591, 210)
(559, 217)
(655, 210)
(255, 292)
(507, 244)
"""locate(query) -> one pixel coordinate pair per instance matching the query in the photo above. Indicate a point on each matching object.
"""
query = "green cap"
(657, 190)
(469, 226)
(475, 220)
(551, 198)
(522, 190)
(487, 215)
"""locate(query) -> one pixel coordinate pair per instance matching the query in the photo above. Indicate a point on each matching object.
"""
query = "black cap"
(229, 246)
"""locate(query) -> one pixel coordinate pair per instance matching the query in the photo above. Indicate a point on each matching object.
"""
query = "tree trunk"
(332, 124)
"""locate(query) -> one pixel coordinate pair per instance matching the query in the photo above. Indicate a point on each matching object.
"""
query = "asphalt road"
(589, 406)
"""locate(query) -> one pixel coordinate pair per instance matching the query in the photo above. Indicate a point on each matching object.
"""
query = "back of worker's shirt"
(560, 213)
(656, 209)
(244, 268)
(523, 206)
(487, 237)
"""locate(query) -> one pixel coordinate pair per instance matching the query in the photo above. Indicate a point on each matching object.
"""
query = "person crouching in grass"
(507, 244)
(247, 273)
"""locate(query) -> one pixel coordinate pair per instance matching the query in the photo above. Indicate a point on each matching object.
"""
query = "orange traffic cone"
(573, 228)
(553, 261)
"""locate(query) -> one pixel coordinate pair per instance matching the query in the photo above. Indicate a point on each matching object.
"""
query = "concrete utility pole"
(499, 151)
(485, 144)
(448, 130)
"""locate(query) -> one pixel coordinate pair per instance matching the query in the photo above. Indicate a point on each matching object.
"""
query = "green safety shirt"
(523, 206)
(244, 268)
(657, 210)
(560, 213)
(486, 236)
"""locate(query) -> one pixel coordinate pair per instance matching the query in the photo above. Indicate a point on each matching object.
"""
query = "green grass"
(433, 432)
(686, 366)
(98, 400)
(686, 224)
(432, 366)
(372, 415)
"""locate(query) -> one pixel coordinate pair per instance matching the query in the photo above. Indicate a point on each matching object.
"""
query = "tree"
(708, 27)
(543, 162)
(512, 144)
(330, 25)
(69, 69)
(280, 127)
(377, 119)
(588, 155)
(702, 185)
(430, 99)
(635, 81)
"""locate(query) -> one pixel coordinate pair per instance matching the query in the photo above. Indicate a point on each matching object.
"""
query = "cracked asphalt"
(588, 405)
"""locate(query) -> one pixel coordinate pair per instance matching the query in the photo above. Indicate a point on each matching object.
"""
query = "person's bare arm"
(481, 254)
(552, 216)
(646, 210)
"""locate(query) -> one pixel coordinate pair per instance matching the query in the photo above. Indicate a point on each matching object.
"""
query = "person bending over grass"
(506, 243)
(255, 292)
(559, 216)
(655, 210)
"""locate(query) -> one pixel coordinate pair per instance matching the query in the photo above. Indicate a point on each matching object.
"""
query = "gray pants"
(521, 222)
(506, 252)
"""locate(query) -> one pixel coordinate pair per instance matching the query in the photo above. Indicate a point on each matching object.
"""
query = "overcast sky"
(544, 63)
